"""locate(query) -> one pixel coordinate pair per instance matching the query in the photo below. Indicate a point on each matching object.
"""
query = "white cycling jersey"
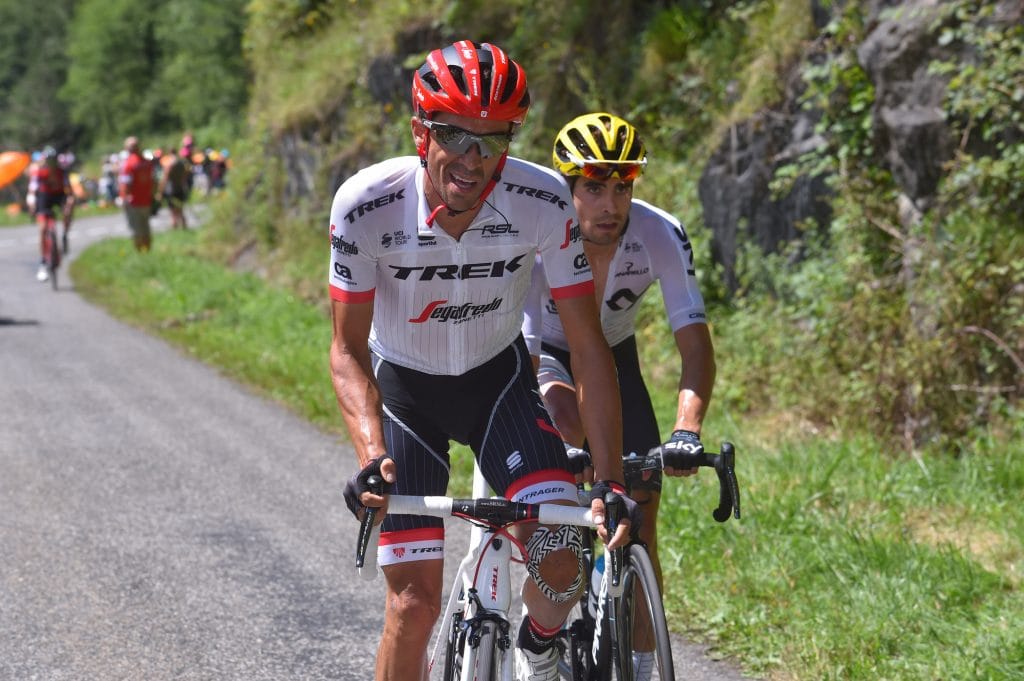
(653, 247)
(444, 306)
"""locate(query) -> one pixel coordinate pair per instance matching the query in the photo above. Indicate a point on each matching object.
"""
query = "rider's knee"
(415, 608)
(556, 562)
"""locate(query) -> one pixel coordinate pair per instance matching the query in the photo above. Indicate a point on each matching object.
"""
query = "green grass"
(86, 210)
(849, 562)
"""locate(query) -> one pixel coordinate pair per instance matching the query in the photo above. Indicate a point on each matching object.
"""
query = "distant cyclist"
(629, 244)
(50, 187)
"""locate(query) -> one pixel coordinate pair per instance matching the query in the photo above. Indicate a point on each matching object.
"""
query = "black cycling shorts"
(495, 409)
(639, 425)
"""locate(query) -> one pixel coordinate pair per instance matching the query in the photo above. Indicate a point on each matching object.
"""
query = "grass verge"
(849, 563)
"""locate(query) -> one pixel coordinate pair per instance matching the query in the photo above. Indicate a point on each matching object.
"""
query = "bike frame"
(482, 588)
(486, 571)
(481, 594)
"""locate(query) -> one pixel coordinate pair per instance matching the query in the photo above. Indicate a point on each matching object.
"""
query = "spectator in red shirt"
(136, 190)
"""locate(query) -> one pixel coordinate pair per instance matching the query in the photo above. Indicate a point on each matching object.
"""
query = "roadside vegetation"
(870, 371)
(851, 561)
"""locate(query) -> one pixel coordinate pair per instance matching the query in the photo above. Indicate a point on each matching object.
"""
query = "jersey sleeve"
(353, 273)
(672, 259)
(561, 251)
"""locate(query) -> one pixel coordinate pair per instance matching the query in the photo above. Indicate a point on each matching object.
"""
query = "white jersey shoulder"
(654, 247)
(440, 305)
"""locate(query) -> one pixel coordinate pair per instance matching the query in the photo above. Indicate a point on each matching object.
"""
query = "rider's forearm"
(359, 400)
(696, 380)
(597, 392)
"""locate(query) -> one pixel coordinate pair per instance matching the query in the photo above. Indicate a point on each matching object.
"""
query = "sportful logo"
(457, 313)
(540, 194)
(369, 206)
(514, 460)
(476, 270)
(399, 551)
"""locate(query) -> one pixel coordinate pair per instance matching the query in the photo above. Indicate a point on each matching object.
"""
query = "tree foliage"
(94, 71)
(33, 66)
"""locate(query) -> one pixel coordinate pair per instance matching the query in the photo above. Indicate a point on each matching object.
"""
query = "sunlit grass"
(849, 562)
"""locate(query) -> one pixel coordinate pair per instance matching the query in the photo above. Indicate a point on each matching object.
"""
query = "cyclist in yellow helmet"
(630, 244)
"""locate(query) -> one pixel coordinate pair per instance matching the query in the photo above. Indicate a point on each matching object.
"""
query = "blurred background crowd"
(94, 182)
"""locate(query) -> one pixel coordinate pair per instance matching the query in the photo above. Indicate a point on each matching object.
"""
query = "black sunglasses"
(455, 140)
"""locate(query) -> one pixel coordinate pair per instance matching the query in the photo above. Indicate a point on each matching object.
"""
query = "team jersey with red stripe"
(444, 306)
(654, 247)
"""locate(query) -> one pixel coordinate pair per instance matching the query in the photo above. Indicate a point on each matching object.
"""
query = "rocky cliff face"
(911, 135)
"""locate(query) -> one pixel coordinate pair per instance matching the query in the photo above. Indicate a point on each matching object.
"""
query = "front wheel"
(640, 625)
(454, 648)
(488, 656)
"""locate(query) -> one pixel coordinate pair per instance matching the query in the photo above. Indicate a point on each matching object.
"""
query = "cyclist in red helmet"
(431, 257)
(50, 188)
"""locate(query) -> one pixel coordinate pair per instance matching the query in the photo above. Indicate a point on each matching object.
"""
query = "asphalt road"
(159, 521)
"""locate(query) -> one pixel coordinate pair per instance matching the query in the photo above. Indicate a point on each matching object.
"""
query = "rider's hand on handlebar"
(579, 463)
(358, 495)
(628, 513)
(685, 441)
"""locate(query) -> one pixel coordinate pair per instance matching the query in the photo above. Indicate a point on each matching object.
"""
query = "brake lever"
(376, 485)
(729, 488)
(613, 508)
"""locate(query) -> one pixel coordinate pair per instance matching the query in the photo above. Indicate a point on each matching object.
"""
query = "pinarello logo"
(399, 551)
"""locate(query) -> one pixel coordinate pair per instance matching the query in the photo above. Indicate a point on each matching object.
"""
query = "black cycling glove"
(629, 509)
(684, 441)
(355, 487)
(681, 450)
(578, 458)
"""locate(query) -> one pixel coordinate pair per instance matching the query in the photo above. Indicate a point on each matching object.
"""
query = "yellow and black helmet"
(598, 146)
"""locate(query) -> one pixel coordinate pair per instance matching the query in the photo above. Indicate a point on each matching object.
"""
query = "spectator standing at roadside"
(135, 184)
(174, 187)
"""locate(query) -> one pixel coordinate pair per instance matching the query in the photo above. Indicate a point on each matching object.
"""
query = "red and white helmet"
(476, 80)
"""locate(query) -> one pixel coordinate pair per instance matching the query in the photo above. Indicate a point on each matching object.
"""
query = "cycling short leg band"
(544, 542)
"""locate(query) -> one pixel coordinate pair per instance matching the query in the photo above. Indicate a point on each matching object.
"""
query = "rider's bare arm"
(354, 385)
(697, 376)
(597, 387)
